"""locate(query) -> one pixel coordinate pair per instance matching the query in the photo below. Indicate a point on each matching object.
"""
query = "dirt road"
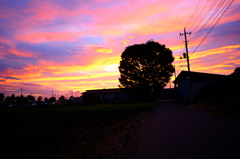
(178, 132)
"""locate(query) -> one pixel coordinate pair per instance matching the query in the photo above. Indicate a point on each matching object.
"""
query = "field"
(42, 132)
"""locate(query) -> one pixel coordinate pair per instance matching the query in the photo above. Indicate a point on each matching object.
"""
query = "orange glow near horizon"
(76, 46)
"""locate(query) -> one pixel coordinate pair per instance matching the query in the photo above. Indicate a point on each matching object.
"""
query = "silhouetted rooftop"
(199, 76)
(111, 90)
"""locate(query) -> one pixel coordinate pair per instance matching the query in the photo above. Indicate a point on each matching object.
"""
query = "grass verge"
(224, 107)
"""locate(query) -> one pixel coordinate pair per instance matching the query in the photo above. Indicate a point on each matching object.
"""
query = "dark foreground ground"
(129, 131)
(175, 131)
(68, 132)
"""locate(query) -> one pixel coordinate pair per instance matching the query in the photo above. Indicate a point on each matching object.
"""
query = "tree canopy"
(146, 65)
(1, 97)
(236, 73)
(62, 98)
(39, 99)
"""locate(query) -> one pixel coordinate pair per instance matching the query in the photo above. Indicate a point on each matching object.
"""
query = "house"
(108, 96)
(123, 95)
(199, 80)
(115, 95)
(104, 96)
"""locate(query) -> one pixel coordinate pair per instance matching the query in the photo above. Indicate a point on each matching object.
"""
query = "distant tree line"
(30, 100)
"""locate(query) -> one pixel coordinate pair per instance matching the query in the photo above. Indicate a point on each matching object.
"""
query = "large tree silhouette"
(147, 65)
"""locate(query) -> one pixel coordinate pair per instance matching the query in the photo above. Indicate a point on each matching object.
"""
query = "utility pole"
(175, 85)
(188, 64)
(175, 76)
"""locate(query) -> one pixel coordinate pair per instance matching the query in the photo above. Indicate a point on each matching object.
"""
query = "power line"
(213, 15)
(205, 25)
(195, 10)
(213, 25)
(207, 13)
(179, 45)
(199, 16)
(179, 65)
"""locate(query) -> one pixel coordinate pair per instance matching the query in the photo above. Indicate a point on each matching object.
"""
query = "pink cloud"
(7, 41)
(12, 50)
(39, 37)
(37, 13)
(22, 53)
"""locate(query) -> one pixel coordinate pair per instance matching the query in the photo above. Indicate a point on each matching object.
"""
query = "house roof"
(118, 90)
(112, 90)
(199, 76)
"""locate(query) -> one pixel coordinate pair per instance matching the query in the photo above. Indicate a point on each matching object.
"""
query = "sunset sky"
(70, 46)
